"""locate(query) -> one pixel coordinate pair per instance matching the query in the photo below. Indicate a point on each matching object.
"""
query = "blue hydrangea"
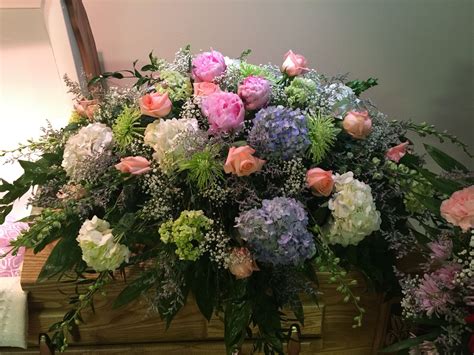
(277, 233)
(279, 132)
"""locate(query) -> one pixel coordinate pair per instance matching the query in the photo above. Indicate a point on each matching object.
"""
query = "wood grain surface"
(133, 329)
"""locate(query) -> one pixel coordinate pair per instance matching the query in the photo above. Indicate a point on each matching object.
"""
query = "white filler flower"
(99, 250)
(89, 142)
(354, 215)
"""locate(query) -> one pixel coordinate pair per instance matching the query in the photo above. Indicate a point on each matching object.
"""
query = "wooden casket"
(132, 329)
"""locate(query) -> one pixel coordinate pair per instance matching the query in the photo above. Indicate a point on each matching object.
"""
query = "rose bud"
(321, 182)
(294, 64)
(241, 162)
(357, 124)
(133, 165)
(205, 89)
(241, 263)
(155, 105)
(86, 108)
(396, 153)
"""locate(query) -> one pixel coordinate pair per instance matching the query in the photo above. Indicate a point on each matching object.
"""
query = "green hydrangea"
(187, 233)
(299, 92)
(174, 83)
(247, 69)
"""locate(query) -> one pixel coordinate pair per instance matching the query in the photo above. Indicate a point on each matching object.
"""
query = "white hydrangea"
(354, 214)
(166, 138)
(89, 142)
(99, 250)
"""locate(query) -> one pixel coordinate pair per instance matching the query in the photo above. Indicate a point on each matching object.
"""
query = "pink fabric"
(10, 266)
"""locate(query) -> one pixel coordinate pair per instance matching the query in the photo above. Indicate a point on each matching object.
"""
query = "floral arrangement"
(237, 182)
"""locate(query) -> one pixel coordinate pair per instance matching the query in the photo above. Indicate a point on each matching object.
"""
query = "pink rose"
(254, 92)
(320, 181)
(133, 165)
(155, 104)
(86, 108)
(459, 208)
(294, 64)
(206, 66)
(241, 263)
(396, 153)
(357, 124)
(205, 89)
(224, 111)
(241, 162)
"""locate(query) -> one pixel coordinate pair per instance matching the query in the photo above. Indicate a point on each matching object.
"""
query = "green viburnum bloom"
(203, 168)
(175, 84)
(299, 92)
(322, 134)
(187, 233)
(127, 127)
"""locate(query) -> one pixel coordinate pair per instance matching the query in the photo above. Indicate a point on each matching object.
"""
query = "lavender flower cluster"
(279, 132)
(277, 232)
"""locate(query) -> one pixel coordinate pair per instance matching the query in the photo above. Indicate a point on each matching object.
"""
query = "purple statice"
(277, 232)
(279, 132)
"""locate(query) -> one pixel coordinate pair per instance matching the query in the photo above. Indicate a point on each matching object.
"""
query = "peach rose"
(241, 263)
(205, 89)
(155, 104)
(357, 124)
(133, 165)
(396, 153)
(459, 208)
(86, 108)
(294, 64)
(241, 162)
(320, 181)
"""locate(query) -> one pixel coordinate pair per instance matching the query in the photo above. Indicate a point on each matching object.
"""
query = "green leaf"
(411, 342)
(65, 255)
(445, 161)
(431, 203)
(443, 185)
(205, 287)
(236, 319)
(135, 289)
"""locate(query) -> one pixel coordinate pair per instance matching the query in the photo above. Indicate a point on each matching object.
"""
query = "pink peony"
(396, 153)
(241, 263)
(205, 89)
(208, 65)
(254, 92)
(86, 108)
(459, 208)
(133, 165)
(224, 111)
(320, 181)
(294, 64)
(357, 124)
(241, 162)
(155, 105)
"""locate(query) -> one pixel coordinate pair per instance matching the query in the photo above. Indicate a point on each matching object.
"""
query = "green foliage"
(359, 86)
(424, 129)
(203, 169)
(127, 127)
(445, 161)
(136, 288)
(35, 173)
(411, 342)
(322, 134)
(204, 287)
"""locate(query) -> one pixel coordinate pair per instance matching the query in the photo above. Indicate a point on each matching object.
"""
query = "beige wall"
(421, 50)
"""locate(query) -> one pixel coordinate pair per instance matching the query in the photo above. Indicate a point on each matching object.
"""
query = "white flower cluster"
(166, 137)
(354, 215)
(90, 142)
(99, 250)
